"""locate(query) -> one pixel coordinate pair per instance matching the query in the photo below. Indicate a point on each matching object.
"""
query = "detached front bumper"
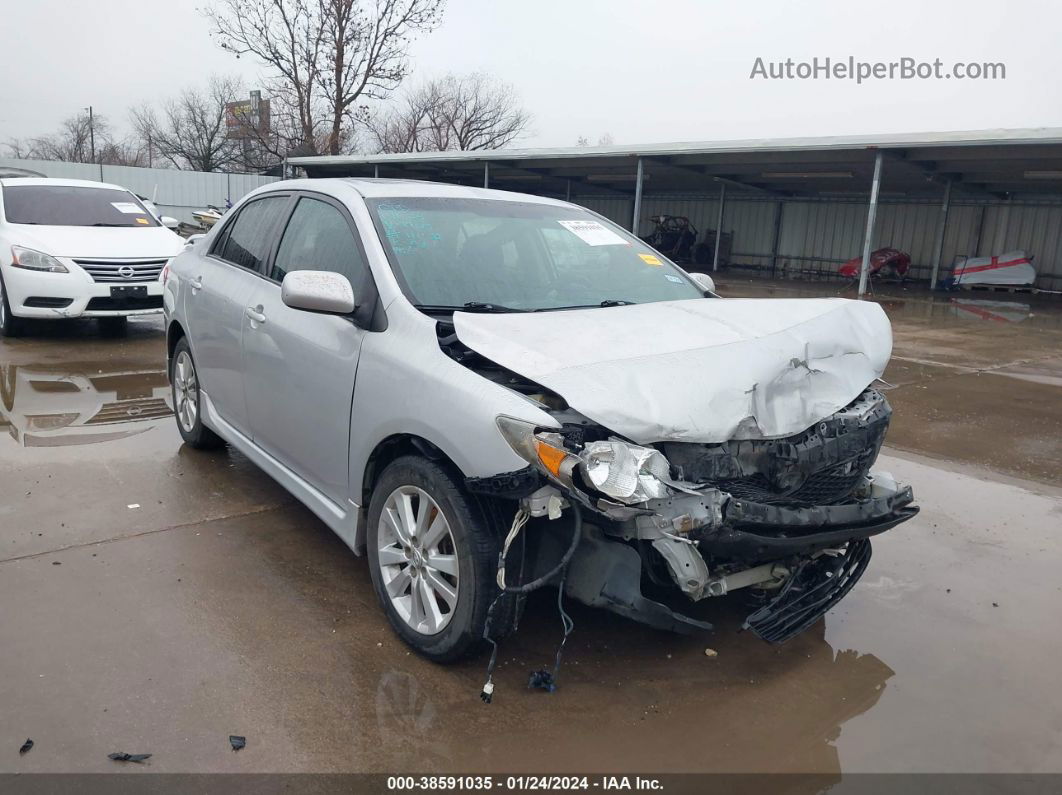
(713, 543)
(724, 527)
(801, 560)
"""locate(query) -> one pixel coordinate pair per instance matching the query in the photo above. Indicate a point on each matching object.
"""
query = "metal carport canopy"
(983, 164)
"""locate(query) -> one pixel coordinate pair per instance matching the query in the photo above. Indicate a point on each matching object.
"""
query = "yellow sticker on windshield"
(142, 221)
(650, 259)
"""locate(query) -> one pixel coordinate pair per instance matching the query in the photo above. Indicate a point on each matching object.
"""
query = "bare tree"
(80, 141)
(326, 56)
(191, 132)
(464, 112)
(130, 152)
(603, 140)
(72, 142)
(20, 148)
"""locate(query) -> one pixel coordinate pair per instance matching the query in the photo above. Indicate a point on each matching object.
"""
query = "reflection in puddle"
(406, 718)
(994, 311)
(947, 308)
(812, 695)
(52, 406)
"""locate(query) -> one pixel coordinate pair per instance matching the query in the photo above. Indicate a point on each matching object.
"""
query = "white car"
(73, 248)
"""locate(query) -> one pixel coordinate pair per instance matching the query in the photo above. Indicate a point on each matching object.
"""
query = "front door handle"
(197, 284)
(255, 314)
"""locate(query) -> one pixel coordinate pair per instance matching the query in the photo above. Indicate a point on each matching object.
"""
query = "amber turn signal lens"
(551, 457)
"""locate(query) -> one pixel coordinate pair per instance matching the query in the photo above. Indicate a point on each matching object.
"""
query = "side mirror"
(704, 281)
(318, 291)
(191, 240)
(169, 222)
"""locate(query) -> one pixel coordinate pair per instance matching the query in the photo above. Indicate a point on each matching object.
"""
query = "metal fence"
(815, 236)
(177, 193)
(811, 238)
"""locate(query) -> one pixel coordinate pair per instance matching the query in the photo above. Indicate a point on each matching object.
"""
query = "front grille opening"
(109, 304)
(821, 465)
(822, 487)
(43, 302)
(122, 271)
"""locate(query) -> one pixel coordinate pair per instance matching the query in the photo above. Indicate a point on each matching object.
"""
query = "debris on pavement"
(541, 680)
(237, 742)
(122, 756)
(711, 653)
(26, 746)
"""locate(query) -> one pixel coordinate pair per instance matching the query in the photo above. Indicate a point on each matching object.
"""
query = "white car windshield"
(61, 205)
(500, 255)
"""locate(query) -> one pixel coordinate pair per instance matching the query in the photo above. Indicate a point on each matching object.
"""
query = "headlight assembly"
(31, 260)
(544, 450)
(624, 472)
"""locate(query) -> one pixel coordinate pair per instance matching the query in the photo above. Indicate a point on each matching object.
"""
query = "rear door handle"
(197, 284)
(255, 313)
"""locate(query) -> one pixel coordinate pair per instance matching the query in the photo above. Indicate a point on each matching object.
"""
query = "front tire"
(10, 326)
(184, 385)
(433, 558)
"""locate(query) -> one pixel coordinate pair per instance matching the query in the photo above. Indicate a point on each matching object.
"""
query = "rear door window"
(247, 239)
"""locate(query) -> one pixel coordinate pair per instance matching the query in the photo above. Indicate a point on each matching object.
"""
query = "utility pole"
(92, 137)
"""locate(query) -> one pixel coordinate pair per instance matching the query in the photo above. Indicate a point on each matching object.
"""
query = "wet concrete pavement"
(156, 599)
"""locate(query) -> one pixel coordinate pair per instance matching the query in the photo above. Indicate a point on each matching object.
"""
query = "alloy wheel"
(418, 560)
(185, 391)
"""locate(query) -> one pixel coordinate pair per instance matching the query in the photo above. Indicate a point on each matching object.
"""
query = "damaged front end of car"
(786, 517)
(789, 518)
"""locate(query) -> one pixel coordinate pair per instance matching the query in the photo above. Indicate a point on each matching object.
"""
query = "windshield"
(511, 255)
(57, 205)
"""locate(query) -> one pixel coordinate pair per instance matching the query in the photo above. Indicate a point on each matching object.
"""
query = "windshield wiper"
(469, 306)
(606, 302)
(100, 223)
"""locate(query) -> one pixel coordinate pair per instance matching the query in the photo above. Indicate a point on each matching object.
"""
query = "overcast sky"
(641, 71)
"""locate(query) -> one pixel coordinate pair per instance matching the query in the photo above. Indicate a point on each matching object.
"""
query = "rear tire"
(10, 326)
(184, 387)
(435, 587)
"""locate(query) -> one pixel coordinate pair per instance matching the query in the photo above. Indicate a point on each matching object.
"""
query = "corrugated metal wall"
(178, 193)
(816, 236)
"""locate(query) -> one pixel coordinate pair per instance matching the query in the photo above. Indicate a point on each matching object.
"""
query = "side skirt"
(342, 521)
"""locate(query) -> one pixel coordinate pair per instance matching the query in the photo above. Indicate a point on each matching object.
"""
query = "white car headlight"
(625, 472)
(32, 260)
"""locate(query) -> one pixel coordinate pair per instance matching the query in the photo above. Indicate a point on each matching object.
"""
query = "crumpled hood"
(695, 370)
(101, 242)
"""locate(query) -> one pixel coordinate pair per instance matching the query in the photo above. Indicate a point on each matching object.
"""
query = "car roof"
(58, 183)
(406, 188)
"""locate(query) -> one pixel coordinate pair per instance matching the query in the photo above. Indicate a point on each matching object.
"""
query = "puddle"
(60, 406)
